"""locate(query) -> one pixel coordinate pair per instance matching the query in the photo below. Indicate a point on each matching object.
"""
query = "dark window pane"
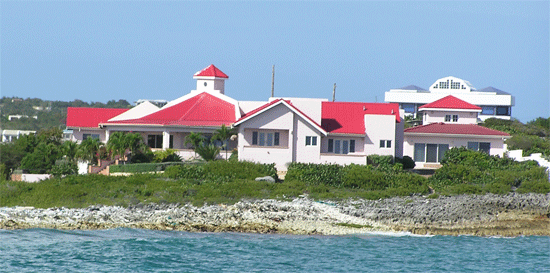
(419, 152)
(441, 152)
(473, 146)
(276, 139)
(408, 107)
(314, 141)
(503, 111)
(254, 138)
(345, 147)
(485, 147)
(487, 110)
(352, 146)
(431, 153)
(269, 139)
(262, 139)
(382, 143)
(337, 146)
(388, 143)
(171, 141)
(308, 140)
(331, 145)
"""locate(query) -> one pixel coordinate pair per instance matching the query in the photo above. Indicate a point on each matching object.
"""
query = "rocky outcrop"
(506, 215)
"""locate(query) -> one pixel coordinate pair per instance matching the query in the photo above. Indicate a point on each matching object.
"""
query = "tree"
(134, 142)
(208, 151)
(88, 149)
(69, 149)
(195, 139)
(117, 144)
(224, 134)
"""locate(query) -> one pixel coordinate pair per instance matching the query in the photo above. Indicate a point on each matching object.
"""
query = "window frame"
(266, 138)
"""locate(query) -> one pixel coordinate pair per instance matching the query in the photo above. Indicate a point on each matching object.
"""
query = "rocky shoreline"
(481, 215)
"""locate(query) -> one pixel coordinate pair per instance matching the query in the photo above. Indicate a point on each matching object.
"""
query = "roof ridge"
(193, 106)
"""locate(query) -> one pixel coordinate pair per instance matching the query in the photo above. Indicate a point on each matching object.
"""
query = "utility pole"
(273, 81)
(334, 93)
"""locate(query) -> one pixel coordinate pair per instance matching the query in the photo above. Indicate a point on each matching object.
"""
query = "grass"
(86, 190)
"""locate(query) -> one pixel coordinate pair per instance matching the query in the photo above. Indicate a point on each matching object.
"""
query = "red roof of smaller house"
(211, 71)
(450, 102)
(91, 117)
(455, 129)
(203, 109)
(349, 117)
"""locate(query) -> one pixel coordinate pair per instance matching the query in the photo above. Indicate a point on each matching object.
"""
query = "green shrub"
(208, 152)
(407, 161)
(64, 168)
(141, 167)
(498, 188)
(363, 177)
(315, 174)
(536, 186)
(379, 160)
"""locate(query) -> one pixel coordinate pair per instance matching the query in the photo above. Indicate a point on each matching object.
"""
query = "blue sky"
(111, 50)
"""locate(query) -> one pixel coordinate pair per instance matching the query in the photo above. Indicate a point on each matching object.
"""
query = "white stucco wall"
(439, 116)
(380, 127)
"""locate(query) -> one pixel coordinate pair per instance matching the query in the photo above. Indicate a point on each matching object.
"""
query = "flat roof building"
(494, 103)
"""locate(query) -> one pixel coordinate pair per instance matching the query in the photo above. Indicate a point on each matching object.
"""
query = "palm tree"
(134, 142)
(116, 145)
(224, 134)
(69, 149)
(195, 139)
(88, 149)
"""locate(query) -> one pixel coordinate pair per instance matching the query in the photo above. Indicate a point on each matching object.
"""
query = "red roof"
(203, 109)
(450, 102)
(349, 117)
(91, 117)
(211, 71)
(455, 129)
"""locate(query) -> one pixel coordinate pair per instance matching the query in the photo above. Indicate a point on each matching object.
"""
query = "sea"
(138, 250)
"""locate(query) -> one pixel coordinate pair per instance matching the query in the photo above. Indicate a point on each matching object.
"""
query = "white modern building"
(494, 103)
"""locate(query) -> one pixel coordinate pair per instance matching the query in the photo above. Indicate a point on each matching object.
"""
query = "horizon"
(102, 51)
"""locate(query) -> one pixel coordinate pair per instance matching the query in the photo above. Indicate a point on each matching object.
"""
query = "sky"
(98, 51)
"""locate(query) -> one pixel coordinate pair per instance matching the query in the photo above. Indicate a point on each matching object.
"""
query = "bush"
(221, 170)
(208, 152)
(141, 167)
(363, 177)
(536, 186)
(380, 160)
(315, 174)
(64, 168)
(408, 162)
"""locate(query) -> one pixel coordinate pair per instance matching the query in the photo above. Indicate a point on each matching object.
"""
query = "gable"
(455, 129)
(450, 102)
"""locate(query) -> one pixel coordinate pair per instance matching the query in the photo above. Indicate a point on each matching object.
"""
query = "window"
(385, 143)
(448, 118)
(487, 110)
(338, 146)
(455, 85)
(408, 107)
(85, 136)
(311, 141)
(432, 153)
(265, 138)
(503, 110)
(480, 146)
(155, 141)
(444, 85)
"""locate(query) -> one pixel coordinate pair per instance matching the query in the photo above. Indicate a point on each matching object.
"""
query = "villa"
(450, 122)
(279, 130)
(494, 103)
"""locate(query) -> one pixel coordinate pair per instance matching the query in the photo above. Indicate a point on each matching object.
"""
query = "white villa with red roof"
(280, 130)
(449, 122)
(494, 103)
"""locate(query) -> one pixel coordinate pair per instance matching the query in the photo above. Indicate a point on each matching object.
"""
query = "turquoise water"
(135, 250)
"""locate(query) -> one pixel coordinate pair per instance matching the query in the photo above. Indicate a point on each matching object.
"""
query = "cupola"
(210, 79)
